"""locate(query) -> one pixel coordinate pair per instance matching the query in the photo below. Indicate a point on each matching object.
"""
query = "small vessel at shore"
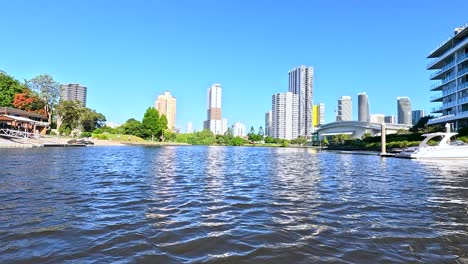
(445, 149)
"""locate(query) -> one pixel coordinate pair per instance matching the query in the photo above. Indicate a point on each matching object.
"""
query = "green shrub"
(100, 136)
(85, 134)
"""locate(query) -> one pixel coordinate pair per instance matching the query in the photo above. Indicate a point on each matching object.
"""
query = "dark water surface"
(228, 205)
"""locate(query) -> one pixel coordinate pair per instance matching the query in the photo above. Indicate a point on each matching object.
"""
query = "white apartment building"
(73, 92)
(450, 69)
(345, 109)
(214, 121)
(238, 129)
(189, 128)
(285, 115)
(377, 118)
(301, 83)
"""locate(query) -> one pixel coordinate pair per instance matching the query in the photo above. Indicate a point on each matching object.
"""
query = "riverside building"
(166, 104)
(345, 109)
(390, 119)
(285, 115)
(214, 121)
(73, 92)
(363, 107)
(301, 84)
(238, 129)
(404, 110)
(268, 124)
(449, 66)
(416, 115)
(318, 115)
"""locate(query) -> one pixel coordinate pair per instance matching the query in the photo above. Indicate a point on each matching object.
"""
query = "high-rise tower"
(72, 92)
(214, 121)
(363, 107)
(301, 83)
(166, 104)
(268, 123)
(345, 109)
(284, 115)
(404, 110)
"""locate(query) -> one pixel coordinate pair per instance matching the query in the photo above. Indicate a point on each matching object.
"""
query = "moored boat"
(447, 148)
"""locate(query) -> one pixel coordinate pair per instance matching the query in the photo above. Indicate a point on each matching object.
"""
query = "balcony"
(462, 58)
(432, 65)
(462, 72)
(463, 100)
(444, 106)
(438, 97)
(462, 86)
(443, 70)
(438, 85)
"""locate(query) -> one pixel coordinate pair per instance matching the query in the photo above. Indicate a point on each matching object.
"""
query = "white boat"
(445, 149)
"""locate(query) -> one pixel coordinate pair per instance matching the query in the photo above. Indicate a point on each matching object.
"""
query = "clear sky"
(128, 52)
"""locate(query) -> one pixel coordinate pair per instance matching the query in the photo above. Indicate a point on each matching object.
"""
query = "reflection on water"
(229, 205)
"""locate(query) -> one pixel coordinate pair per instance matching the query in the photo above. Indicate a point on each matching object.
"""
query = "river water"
(228, 205)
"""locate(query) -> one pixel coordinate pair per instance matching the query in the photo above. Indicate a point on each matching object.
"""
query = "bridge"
(356, 129)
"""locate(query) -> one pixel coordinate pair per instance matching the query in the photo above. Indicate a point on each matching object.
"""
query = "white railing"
(17, 134)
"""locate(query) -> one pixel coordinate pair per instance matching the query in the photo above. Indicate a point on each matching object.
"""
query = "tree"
(133, 127)
(422, 124)
(229, 132)
(252, 131)
(299, 141)
(28, 101)
(260, 131)
(162, 126)
(9, 87)
(237, 141)
(90, 120)
(69, 113)
(48, 90)
(150, 123)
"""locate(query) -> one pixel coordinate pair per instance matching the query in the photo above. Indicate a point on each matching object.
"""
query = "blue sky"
(128, 52)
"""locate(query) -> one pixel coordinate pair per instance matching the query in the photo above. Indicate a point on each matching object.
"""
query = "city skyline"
(144, 45)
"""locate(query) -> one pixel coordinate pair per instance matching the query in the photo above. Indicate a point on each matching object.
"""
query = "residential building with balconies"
(449, 66)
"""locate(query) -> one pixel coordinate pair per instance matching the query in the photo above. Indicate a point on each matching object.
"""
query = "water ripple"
(228, 205)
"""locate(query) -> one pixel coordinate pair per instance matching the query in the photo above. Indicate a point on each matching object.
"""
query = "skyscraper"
(189, 127)
(345, 109)
(285, 115)
(238, 129)
(268, 124)
(214, 121)
(404, 110)
(166, 105)
(301, 83)
(363, 107)
(318, 115)
(72, 92)
(390, 119)
(416, 115)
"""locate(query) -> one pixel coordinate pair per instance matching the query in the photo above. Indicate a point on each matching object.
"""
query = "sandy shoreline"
(5, 143)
